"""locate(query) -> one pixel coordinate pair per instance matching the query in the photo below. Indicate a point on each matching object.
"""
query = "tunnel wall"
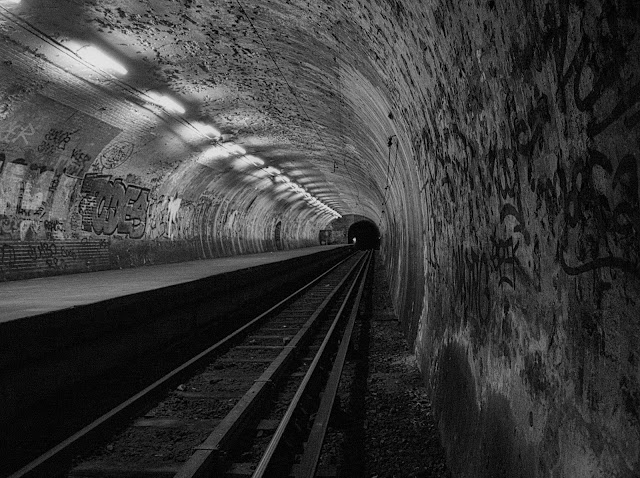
(83, 189)
(519, 121)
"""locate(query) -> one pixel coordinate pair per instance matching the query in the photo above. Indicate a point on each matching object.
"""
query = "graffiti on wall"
(45, 149)
(15, 131)
(471, 281)
(116, 154)
(598, 188)
(109, 206)
(552, 186)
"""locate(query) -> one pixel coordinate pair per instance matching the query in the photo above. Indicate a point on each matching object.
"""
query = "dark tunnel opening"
(364, 235)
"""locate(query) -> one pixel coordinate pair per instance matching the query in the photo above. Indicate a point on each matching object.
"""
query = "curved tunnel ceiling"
(273, 78)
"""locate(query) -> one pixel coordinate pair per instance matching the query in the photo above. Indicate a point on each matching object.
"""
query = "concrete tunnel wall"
(82, 191)
(495, 144)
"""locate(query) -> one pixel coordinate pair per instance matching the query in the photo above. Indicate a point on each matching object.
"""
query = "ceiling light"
(207, 130)
(280, 188)
(260, 174)
(234, 148)
(213, 155)
(239, 165)
(166, 102)
(97, 58)
(256, 161)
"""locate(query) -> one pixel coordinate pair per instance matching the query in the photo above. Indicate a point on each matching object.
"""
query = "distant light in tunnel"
(166, 102)
(99, 59)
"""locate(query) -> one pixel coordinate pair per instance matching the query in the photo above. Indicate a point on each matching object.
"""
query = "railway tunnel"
(364, 235)
(491, 146)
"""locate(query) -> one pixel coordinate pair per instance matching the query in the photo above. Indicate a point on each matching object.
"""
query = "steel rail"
(55, 457)
(309, 461)
(266, 464)
(209, 454)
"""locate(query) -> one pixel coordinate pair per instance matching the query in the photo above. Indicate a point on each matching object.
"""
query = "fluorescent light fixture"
(260, 173)
(235, 149)
(11, 1)
(97, 58)
(280, 188)
(256, 161)
(166, 102)
(213, 155)
(271, 170)
(207, 130)
(239, 164)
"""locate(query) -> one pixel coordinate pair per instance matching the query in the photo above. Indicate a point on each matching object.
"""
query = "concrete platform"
(57, 331)
(25, 298)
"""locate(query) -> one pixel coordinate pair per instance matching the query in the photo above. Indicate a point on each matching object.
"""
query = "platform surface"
(25, 298)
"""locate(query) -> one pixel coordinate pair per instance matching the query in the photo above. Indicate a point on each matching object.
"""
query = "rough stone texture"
(493, 142)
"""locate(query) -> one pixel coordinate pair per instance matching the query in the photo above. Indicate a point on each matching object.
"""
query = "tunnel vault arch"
(364, 235)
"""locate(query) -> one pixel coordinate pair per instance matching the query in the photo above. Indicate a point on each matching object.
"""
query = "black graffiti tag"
(111, 206)
(471, 273)
(505, 261)
(116, 154)
(54, 140)
(79, 161)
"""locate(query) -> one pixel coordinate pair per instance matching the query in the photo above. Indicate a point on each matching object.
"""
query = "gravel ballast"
(401, 438)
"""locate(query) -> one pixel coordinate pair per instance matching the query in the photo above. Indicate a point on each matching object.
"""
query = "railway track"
(257, 403)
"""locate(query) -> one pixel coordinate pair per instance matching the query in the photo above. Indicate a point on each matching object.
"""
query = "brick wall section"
(21, 259)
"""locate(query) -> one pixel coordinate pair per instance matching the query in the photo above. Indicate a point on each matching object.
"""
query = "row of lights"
(279, 176)
(99, 59)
